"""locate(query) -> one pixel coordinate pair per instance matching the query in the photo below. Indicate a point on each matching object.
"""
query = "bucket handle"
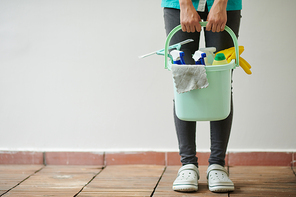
(203, 24)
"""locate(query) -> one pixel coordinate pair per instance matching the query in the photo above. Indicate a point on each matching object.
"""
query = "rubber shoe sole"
(221, 188)
(185, 188)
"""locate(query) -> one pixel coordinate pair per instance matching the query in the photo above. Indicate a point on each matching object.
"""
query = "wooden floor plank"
(164, 188)
(115, 194)
(263, 181)
(137, 180)
(56, 181)
(38, 194)
(130, 180)
(11, 175)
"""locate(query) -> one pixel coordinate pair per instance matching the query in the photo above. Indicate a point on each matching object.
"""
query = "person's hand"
(189, 18)
(217, 17)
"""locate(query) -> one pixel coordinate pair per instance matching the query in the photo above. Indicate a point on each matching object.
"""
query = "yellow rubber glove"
(230, 55)
(245, 65)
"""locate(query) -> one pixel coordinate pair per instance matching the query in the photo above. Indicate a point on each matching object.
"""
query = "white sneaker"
(218, 180)
(187, 179)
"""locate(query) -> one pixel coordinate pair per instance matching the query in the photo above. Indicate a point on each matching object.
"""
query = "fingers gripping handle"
(203, 24)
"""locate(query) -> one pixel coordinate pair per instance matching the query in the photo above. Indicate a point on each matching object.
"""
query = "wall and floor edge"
(144, 157)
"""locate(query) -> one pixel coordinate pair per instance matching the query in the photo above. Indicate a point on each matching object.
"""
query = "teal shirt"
(231, 5)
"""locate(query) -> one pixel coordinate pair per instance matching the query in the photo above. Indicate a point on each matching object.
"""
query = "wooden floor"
(135, 180)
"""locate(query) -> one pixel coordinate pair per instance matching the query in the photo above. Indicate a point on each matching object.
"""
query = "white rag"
(189, 77)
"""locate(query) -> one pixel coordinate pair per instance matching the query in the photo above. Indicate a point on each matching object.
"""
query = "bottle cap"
(220, 57)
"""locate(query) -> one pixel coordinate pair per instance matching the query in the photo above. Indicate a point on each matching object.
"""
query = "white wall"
(71, 80)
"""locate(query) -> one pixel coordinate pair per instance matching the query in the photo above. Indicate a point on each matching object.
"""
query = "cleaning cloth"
(189, 77)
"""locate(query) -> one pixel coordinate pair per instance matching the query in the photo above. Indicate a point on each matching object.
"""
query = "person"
(189, 13)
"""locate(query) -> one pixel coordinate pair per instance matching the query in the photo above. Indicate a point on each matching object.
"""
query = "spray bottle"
(178, 56)
(210, 54)
(200, 57)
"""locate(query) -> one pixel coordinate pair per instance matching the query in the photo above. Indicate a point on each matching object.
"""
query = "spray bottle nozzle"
(199, 57)
(209, 53)
(178, 56)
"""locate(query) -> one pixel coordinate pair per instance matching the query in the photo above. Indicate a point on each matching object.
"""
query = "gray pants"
(186, 130)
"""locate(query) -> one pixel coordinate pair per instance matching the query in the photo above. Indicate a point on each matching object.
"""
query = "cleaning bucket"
(211, 103)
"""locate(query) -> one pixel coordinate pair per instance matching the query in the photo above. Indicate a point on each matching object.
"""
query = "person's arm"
(189, 17)
(217, 17)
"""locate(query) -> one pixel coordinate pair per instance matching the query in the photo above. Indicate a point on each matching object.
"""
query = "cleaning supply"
(220, 59)
(209, 54)
(178, 56)
(199, 57)
(230, 55)
(175, 46)
(211, 103)
(189, 77)
(203, 59)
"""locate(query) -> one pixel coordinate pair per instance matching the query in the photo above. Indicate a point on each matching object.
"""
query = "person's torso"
(231, 4)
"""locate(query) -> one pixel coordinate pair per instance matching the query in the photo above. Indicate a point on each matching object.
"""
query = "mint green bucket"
(211, 103)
